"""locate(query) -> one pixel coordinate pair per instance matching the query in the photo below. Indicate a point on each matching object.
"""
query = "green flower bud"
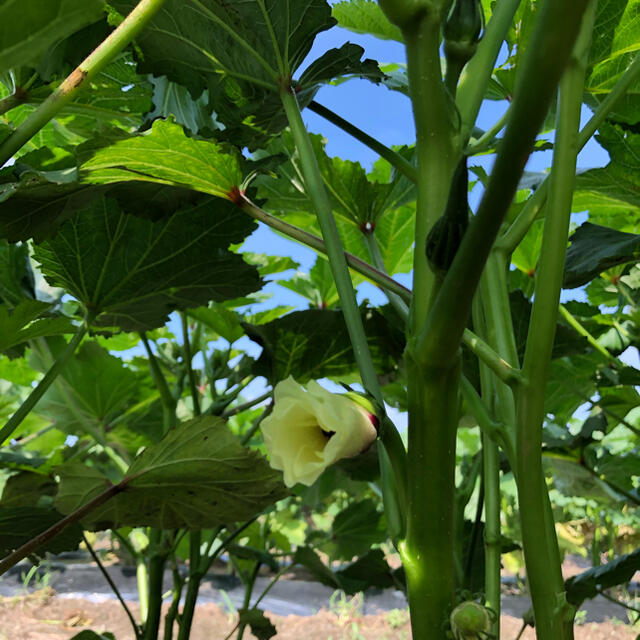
(469, 620)
(462, 30)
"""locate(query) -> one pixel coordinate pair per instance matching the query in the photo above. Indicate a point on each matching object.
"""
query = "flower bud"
(310, 428)
(470, 620)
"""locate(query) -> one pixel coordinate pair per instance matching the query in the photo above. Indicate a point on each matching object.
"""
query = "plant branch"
(239, 408)
(475, 78)
(29, 547)
(574, 324)
(304, 237)
(168, 401)
(188, 358)
(485, 141)
(551, 43)
(81, 77)
(11, 102)
(508, 374)
(112, 584)
(32, 399)
(374, 251)
(393, 158)
(554, 616)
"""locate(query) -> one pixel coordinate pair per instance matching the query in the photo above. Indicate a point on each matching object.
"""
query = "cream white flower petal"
(311, 428)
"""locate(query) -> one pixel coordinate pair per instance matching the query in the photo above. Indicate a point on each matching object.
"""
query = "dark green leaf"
(25, 489)
(595, 249)
(92, 635)
(314, 344)
(18, 525)
(134, 272)
(587, 584)
(199, 476)
(355, 530)
(29, 27)
(256, 555)
(261, 627)
(16, 276)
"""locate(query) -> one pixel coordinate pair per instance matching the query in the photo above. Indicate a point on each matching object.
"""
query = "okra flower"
(310, 428)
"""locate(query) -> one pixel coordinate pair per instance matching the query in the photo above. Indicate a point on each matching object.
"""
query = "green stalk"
(12, 101)
(393, 158)
(389, 436)
(517, 231)
(335, 252)
(157, 562)
(81, 77)
(554, 33)
(485, 353)
(193, 585)
(491, 478)
(475, 78)
(32, 399)
(172, 612)
(248, 590)
(188, 357)
(168, 401)
(428, 551)
(554, 616)
(112, 585)
(574, 324)
(318, 244)
(484, 142)
(374, 251)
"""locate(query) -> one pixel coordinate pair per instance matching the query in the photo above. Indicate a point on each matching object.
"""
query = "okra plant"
(143, 142)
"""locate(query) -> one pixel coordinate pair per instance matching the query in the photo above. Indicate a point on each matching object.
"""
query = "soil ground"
(44, 616)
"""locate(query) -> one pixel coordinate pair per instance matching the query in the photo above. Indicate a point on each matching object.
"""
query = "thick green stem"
(554, 33)
(476, 76)
(393, 158)
(81, 77)
(193, 585)
(29, 547)
(318, 244)
(374, 251)
(157, 562)
(437, 157)
(32, 399)
(428, 551)
(554, 616)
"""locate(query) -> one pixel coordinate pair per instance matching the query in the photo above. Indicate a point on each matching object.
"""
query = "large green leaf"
(18, 525)
(93, 389)
(29, 27)
(27, 321)
(595, 249)
(199, 476)
(365, 16)
(355, 530)
(613, 191)
(315, 343)
(615, 42)
(134, 272)
(590, 583)
(163, 155)
(16, 276)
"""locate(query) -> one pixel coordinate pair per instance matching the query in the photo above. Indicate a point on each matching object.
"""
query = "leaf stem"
(333, 243)
(112, 584)
(29, 547)
(12, 101)
(554, 617)
(489, 136)
(168, 401)
(393, 158)
(81, 77)
(374, 251)
(318, 244)
(239, 408)
(508, 374)
(188, 358)
(571, 320)
(32, 399)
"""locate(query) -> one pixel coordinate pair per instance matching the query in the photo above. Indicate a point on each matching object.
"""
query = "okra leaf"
(314, 343)
(20, 524)
(29, 27)
(92, 635)
(588, 584)
(365, 16)
(355, 530)
(164, 155)
(133, 272)
(261, 627)
(199, 476)
(595, 249)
